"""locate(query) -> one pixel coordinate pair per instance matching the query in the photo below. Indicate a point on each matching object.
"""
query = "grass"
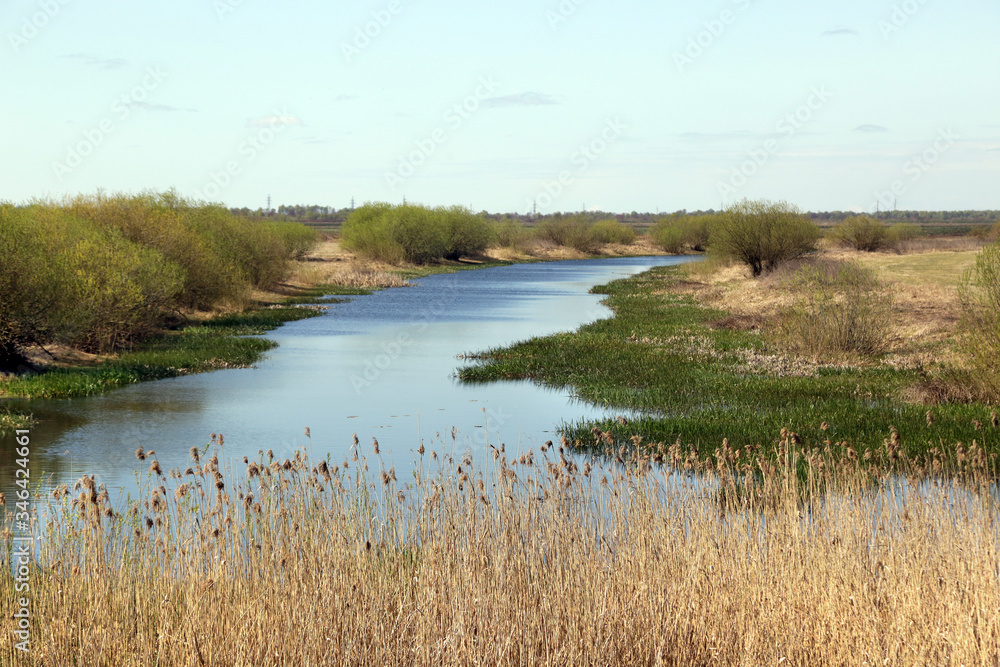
(699, 381)
(11, 421)
(539, 557)
(936, 268)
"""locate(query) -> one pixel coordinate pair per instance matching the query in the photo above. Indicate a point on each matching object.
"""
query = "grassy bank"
(701, 378)
(532, 558)
(220, 343)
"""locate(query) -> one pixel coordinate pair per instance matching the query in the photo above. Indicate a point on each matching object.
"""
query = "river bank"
(205, 341)
(697, 352)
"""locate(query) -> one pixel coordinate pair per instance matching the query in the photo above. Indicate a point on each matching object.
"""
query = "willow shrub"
(68, 281)
(763, 234)
(512, 234)
(99, 272)
(979, 293)
(841, 307)
(677, 232)
(165, 224)
(862, 232)
(221, 255)
(571, 231)
(612, 231)
(414, 233)
(667, 234)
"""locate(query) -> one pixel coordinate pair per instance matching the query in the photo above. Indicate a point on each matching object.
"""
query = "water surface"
(381, 366)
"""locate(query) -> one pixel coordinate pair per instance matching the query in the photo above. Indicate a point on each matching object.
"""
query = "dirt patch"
(742, 322)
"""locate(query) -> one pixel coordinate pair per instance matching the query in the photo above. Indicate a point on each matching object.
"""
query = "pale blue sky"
(232, 100)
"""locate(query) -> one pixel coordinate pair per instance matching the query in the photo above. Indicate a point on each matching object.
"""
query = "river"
(381, 366)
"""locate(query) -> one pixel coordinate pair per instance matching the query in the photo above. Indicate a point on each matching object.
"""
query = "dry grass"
(926, 309)
(329, 264)
(657, 557)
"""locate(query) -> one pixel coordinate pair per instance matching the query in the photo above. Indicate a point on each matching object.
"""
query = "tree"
(762, 234)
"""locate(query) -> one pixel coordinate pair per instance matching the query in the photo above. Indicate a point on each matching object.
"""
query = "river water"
(381, 366)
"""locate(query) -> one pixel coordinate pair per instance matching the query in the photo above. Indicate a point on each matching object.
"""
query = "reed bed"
(647, 555)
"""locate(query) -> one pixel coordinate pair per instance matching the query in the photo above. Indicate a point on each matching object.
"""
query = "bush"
(862, 233)
(468, 233)
(674, 232)
(68, 281)
(421, 232)
(415, 233)
(841, 307)
(571, 231)
(902, 232)
(100, 272)
(612, 231)
(221, 254)
(697, 231)
(979, 293)
(511, 234)
(667, 234)
(763, 234)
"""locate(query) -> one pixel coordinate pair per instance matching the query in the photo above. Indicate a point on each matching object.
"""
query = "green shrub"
(99, 272)
(763, 234)
(469, 234)
(841, 307)
(979, 294)
(420, 231)
(69, 281)
(571, 231)
(414, 233)
(367, 233)
(221, 255)
(863, 233)
(901, 232)
(612, 231)
(698, 230)
(511, 234)
(668, 234)
(298, 238)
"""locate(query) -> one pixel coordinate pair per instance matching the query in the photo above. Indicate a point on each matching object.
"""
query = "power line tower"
(352, 203)
(269, 203)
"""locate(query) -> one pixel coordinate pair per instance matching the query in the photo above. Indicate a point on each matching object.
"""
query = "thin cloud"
(836, 32)
(271, 121)
(345, 98)
(701, 137)
(95, 61)
(525, 99)
(868, 127)
(160, 107)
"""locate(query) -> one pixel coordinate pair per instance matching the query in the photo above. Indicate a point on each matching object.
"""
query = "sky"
(563, 105)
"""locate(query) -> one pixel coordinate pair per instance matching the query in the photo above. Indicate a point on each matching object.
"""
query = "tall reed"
(649, 555)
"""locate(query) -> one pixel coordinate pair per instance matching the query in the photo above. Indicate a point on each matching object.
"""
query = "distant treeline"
(98, 272)
(317, 215)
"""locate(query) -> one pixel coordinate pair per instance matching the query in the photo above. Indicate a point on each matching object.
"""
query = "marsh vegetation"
(782, 553)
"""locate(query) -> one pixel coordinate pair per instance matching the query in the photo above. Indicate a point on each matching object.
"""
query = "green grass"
(224, 342)
(11, 420)
(659, 355)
